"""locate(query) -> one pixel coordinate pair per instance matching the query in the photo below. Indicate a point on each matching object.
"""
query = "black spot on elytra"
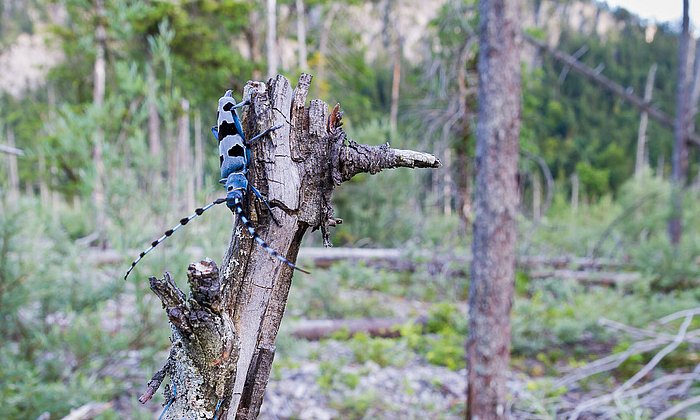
(236, 151)
(228, 129)
(221, 160)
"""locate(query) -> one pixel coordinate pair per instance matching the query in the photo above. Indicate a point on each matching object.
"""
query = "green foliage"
(595, 181)
(358, 405)
(381, 351)
(558, 315)
(444, 340)
(61, 326)
(578, 126)
(319, 294)
(645, 228)
(328, 373)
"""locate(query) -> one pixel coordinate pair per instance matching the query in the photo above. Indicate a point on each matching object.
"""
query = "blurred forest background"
(105, 110)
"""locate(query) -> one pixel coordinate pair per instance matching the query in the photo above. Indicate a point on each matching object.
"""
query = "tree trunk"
(643, 122)
(574, 192)
(679, 162)
(297, 169)
(13, 173)
(153, 117)
(465, 169)
(44, 192)
(493, 265)
(326, 30)
(253, 39)
(198, 166)
(301, 34)
(536, 197)
(447, 184)
(464, 175)
(171, 152)
(185, 156)
(395, 84)
(271, 40)
(695, 83)
(100, 70)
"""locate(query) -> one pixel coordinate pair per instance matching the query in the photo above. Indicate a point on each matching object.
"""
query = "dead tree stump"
(224, 334)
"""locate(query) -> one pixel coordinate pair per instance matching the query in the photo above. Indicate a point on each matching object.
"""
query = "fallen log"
(603, 278)
(402, 260)
(88, 411)
(325, 257)
(11, 150)
(323, 328)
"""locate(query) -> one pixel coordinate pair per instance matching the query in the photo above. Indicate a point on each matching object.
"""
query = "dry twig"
(653, 395)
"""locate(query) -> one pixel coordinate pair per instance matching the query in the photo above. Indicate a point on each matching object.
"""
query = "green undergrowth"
(554, 322)
(73, 333)
(66, 321)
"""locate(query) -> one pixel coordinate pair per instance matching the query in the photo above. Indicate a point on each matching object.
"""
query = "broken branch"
(357, 158)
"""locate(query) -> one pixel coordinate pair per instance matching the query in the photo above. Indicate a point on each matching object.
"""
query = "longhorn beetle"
(235, 158)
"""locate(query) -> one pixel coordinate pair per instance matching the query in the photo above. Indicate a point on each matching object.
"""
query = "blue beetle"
(235, 158)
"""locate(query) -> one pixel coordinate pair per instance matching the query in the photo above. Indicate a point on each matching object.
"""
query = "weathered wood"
(322, 328)
(403, 260)
(98, 97)
(202, 361)
(297, 168)
(640, 162)
(88, 411)
(549, 179)
(271, 37)
(153, 116)
(10, 150)
(681, 132)
(301, 34)
(603, 278)
(12, 170)
(392, 259)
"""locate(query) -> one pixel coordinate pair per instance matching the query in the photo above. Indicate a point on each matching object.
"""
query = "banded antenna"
(251, 230)
(168, 233)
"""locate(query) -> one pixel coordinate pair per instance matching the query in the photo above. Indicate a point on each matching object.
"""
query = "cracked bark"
(496, 207)
(233, 316)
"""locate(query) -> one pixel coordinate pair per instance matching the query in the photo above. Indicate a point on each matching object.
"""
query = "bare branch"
(157, 379)
(547, 176)
(678, 339)
(678, 408)
(679, 315)
(88, 411)
(173, 300)
(360, 158)
(608, 84)
(655, 393)
(11, 150)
